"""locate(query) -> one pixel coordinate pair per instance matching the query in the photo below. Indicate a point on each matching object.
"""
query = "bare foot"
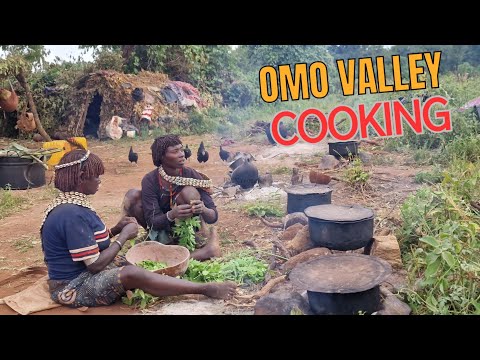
(210, 250)
(223, 290)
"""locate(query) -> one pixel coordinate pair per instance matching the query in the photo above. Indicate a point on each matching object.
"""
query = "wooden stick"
(271, 224)
(269, 286)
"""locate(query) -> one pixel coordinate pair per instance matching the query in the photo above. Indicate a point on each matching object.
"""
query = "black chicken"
(202, 154)
(187, 152)
(132, 156)
(224, 154)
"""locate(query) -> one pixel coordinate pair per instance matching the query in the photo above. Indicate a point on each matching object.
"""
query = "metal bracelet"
(119, 244)
(168, 218)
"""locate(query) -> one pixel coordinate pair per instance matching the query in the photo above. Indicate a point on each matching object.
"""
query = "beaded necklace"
(71, 197)
(182, 181)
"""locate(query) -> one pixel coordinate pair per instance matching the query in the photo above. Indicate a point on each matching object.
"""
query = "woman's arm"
(129, 231)
(154, 217)
(210, 212)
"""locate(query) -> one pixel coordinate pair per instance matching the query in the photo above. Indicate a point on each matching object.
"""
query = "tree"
(19, 63)
(204, 66)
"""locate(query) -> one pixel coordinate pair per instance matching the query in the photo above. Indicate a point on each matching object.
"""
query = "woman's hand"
(198, 207)
(122, 223)
(129, 231)
(180, 212)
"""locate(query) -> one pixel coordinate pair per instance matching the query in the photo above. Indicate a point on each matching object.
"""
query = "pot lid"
(343, 142)
(306, 189)
(340, 273)
(331, 212)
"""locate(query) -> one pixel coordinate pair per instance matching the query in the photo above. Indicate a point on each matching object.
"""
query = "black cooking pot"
(342, 284)
(343, 148)
(21, 173)
(235, 164)
(339, 227)
(301, 196)
(363, 302)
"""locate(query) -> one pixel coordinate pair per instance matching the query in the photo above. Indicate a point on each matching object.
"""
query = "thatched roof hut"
(99, 96)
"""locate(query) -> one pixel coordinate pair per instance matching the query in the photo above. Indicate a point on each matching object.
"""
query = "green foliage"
(466, 148)
(13, 65)
(109, 60)
(9, 202)
(265, 208)
(355, 175)
(151, 265)
(448, 270)
(207, 67)
(439, 240)
(430, 177)
(240, 267)
(139, 299)
(22, 56)
(239, 94)
(203, 121)
(420, 214)
(185, 230)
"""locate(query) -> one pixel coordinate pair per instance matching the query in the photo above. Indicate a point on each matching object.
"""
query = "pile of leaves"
(152, 265)
(242, 267)
(139, 299)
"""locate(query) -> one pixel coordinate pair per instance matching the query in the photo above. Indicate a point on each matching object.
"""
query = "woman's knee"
(132, 276)
(187, 194)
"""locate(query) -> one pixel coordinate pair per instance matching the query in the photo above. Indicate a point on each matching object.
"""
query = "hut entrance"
(92, 120)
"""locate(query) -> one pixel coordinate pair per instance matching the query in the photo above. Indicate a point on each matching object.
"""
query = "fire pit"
(342, 284)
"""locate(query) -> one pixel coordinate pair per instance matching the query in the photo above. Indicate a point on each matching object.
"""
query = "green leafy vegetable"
(185, 229)
(152, 265)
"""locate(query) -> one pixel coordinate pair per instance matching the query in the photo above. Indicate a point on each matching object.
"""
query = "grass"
(10, 202)
(25, 243)
(313, 159)
(281, 170)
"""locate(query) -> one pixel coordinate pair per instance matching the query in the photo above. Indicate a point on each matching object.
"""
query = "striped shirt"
(72, 234)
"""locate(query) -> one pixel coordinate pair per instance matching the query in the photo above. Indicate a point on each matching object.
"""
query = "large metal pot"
(21, 173)
(340, 227)
(342, 284)
(301, 196)
(343, 148)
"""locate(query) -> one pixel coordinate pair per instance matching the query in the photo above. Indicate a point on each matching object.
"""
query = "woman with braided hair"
(173, 191)
(84, 268)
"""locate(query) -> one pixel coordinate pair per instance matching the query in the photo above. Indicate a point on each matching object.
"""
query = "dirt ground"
(392, 180)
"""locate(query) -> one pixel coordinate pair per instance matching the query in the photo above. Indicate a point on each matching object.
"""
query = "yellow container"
(65, 147)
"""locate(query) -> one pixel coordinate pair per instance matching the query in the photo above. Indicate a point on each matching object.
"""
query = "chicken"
(202, 154)
(187, 152)
(132, 156)
(224, 154)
